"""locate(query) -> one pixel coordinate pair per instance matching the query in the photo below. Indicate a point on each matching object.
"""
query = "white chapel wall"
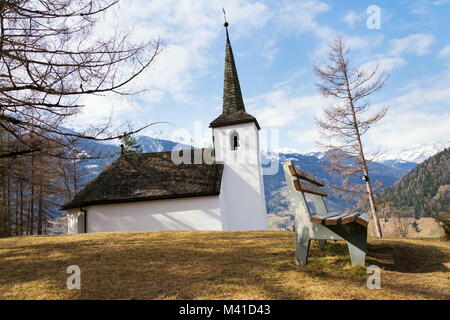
(72, 221)
(195, 213)
(242, 198)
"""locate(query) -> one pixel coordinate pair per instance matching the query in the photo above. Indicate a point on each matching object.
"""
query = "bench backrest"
(300, 182)
(305, 181)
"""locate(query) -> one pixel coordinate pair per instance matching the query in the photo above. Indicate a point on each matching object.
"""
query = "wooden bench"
(322, 225)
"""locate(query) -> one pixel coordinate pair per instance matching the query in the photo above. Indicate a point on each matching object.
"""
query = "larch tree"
(34, 185)
(348, 118)
(50, 56)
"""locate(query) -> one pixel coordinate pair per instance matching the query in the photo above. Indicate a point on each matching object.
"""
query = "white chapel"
(212, 189)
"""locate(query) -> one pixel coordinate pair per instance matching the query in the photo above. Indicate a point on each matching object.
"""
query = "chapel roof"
(233, 110)
(149, 176)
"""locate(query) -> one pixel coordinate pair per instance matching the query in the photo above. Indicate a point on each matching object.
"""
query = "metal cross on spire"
(225, 17)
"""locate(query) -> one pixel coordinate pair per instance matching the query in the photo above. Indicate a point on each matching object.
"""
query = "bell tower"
(236, 145)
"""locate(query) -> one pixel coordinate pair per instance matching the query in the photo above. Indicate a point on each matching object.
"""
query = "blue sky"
(276, 45)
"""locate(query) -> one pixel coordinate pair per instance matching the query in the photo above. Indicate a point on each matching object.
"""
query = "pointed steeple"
(233, 111)
(232, 95)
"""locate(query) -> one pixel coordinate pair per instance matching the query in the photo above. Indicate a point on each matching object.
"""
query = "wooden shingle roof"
(233, 111)
(149, 176)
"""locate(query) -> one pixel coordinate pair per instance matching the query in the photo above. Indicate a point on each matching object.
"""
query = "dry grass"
(215, 265)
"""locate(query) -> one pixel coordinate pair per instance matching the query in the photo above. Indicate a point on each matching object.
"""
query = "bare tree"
(50, 57)
(33, 186)
(400, 218)
(349, 118)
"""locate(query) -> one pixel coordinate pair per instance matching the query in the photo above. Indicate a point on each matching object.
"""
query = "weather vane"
(225, 17)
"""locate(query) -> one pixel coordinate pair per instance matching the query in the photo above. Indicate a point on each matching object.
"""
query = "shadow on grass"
(201, 265)
(394, 256)
(185, 267)
(408, 258)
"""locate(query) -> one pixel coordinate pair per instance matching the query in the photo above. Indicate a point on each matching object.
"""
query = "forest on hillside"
(424, 191)
(34, 185)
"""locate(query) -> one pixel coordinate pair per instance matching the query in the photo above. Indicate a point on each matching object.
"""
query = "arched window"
(234, 140)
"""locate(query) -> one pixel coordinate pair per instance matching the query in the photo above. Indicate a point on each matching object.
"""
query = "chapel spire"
(232, 95)
(233, 110)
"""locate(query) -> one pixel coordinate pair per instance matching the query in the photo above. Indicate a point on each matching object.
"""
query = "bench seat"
(341, 218)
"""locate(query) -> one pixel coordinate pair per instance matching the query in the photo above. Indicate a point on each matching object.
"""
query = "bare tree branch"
(50, 57)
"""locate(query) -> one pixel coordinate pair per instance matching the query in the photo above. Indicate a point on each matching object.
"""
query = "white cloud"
(187, 30)
(100, 110)
(439, 2)
(425, 96)
(445, 52)
(280, 108)
(301, 16)
(384, 64)
(414, 117)
(420, 9)
(305, 137)
(418, 44)
(354, 42)
(400, 130)
(351, 18)
(423, 6)
(270, 50)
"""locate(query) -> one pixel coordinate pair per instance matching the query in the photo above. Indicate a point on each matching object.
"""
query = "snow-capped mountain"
(400, 164)
(415, 153)
(105, 153)
(406, 158)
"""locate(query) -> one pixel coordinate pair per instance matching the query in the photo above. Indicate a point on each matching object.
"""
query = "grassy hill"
(215, 265)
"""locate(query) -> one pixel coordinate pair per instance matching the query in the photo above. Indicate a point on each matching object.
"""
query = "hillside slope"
(425, 190)
(215, 265)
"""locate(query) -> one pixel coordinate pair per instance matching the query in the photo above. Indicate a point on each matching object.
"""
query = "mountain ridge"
(415, 153)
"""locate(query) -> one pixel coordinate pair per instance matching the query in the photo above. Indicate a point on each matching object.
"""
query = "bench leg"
(357, 246)
(302, 250)
(356, 237)
(357, 256)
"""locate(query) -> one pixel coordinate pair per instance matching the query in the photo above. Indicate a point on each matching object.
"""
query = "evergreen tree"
(425, 189)
(129, 145)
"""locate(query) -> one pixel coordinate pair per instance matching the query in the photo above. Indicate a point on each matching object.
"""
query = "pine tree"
(129, 145)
